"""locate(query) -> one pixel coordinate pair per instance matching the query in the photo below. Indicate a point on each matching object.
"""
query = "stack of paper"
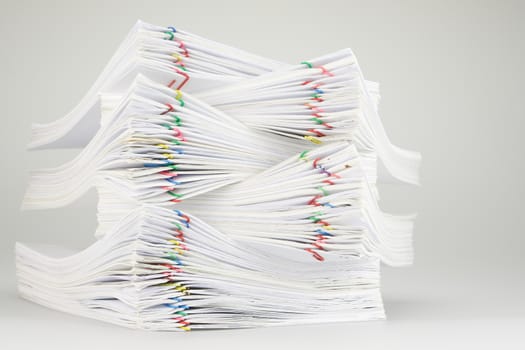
(234, 191)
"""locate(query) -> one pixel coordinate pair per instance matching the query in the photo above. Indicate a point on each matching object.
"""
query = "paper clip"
(312, 139)
(324, 223)
(185, 50)
(178, 133)
(169, 173)
(317, 120)
(314, 108)
(315, 254)
(313, 201)
(170, 33)
(308, 64)
(170, 108)
(186, 78)
(325, 71)
(317, 98)
(323, 232)
(177, 120)
(170, 180)
(302, 156)
(176, 195)
(184, 216)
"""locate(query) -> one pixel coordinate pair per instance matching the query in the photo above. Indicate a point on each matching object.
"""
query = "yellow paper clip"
(313, 139)
(180, 289)
(177, 57)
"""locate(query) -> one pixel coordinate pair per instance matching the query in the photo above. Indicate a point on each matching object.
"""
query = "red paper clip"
(313, 201)
(315, 254)
(316, 132)
(183, 47)
(170, 109)
(325, 71)
(168, 173)
(185, 75)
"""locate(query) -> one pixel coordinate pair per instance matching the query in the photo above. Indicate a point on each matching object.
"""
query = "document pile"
(234, 191)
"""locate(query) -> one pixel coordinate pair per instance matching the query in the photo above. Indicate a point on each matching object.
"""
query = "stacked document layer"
(234, 191)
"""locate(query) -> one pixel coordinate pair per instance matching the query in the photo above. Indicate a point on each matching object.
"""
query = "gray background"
(452, 80)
